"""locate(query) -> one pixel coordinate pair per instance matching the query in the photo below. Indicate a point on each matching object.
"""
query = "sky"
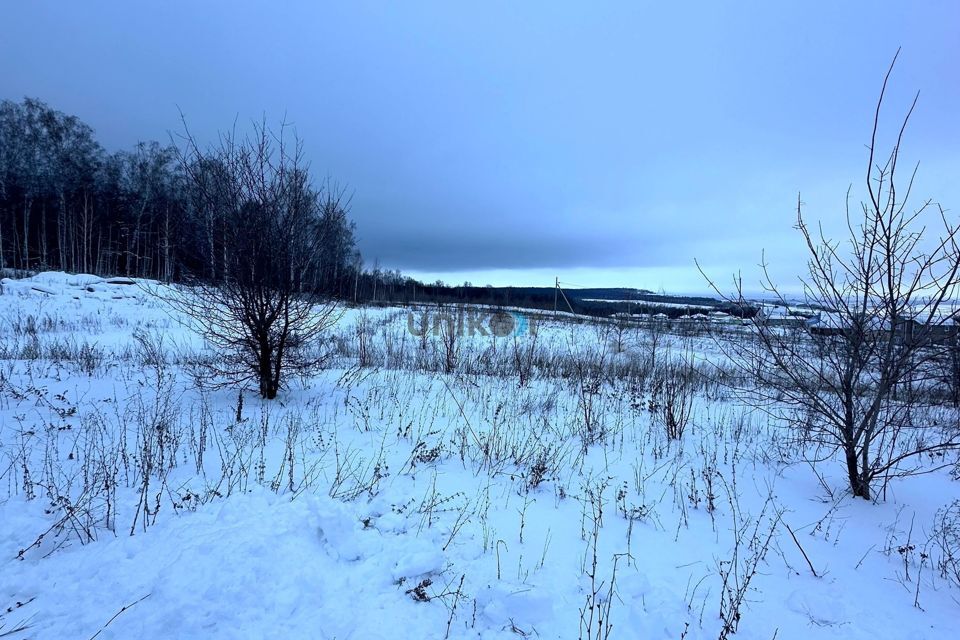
(514, 142)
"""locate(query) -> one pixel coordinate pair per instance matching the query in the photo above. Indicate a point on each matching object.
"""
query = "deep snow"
(400, 502)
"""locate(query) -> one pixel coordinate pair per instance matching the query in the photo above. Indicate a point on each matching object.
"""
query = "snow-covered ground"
(399, 500)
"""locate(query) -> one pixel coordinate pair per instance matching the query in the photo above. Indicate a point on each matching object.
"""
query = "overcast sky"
(607, 143)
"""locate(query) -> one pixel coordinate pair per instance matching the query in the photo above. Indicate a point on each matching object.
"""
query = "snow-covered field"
(530, 492)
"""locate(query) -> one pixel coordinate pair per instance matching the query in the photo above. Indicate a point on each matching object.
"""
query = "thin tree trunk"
(43, 236)
(26, 233)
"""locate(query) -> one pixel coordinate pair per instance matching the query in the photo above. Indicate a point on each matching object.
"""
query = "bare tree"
(673, 394)
(860, 378)
(261, 315)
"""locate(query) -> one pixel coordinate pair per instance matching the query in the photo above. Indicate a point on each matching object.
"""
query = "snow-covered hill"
(396, 500)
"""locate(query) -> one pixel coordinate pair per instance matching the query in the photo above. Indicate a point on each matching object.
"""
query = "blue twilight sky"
(607, 143)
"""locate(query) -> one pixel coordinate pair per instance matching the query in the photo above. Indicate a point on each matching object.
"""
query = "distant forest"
(591, 302)
(68, 204)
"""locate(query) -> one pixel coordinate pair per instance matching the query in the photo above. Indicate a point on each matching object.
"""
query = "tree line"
(159, 210)
(168, 211)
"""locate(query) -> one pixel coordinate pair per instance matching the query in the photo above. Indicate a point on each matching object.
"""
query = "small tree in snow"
(261, 315)
(862, 381)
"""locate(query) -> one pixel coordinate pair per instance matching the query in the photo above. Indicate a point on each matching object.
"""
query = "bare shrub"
(524, 351)
(595, 621)
(673, 395)
(588, 376)
(887, 296)
(260, 317)
(944, 543)
(752, 537)
(450, 326)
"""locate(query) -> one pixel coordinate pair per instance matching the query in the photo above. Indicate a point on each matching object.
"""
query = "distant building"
(908, 330)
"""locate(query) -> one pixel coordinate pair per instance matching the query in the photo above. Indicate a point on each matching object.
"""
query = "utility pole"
(557, 290)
